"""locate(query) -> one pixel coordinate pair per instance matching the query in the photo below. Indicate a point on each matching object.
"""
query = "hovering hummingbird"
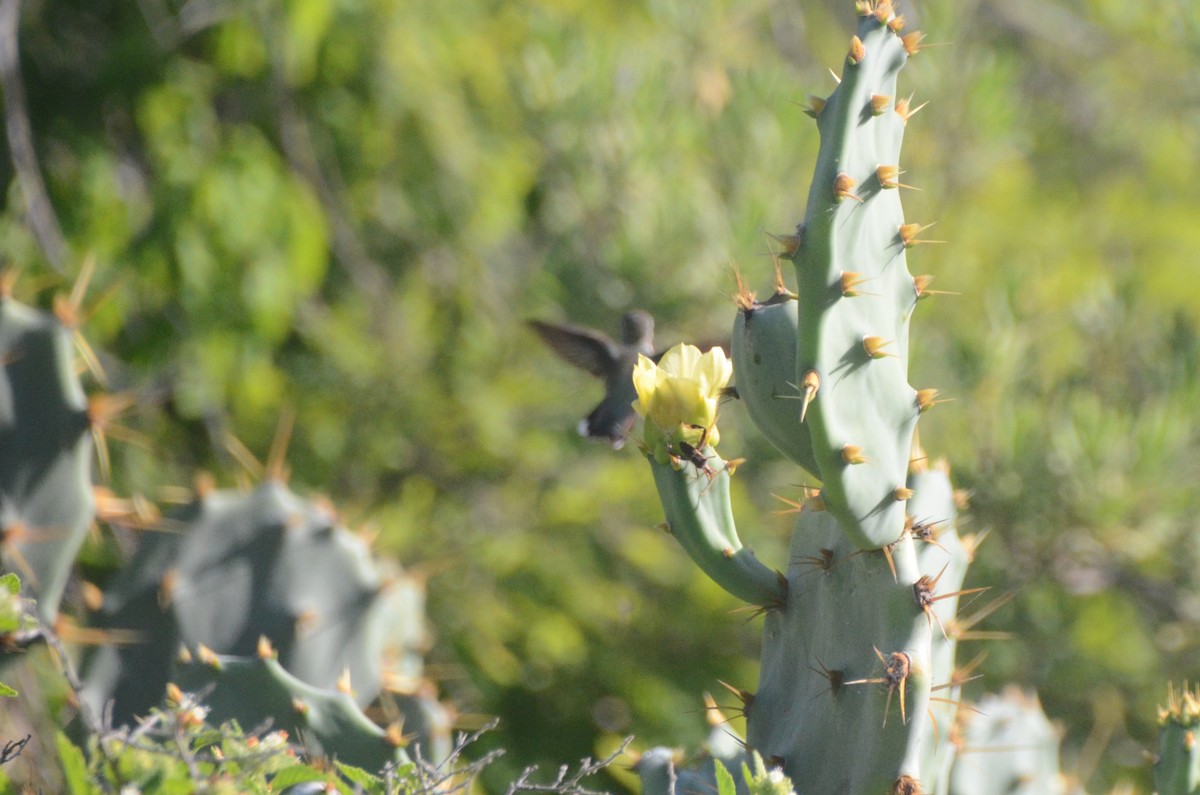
(591, 350)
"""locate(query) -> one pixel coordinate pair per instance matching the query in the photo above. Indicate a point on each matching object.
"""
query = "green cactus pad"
(940, 556)
(1177, 766)
(763, 349)
(46, 502)
(700, 516)
(327, 722)
(239, 566)
(845, 609)
(1009, 746)
(855, 340)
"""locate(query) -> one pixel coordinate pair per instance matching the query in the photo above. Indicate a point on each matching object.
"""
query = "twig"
(40, 211)
(567, 784)
(446, 777)
(13, 748)
(90, 720)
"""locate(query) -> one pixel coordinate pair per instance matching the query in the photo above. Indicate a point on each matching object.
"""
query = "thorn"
(305, 622)
(972, 543)
(896, 24)
(780, 286)
(896, 667)
(265, 650)
(835, 678)
(902, 493)
(797, 507)
(809, 386)
(967, 673)
(927, 399)
(853, 454)
(835, 77)
(790, 243)
(905, 109)
(874, 347)
(395, 736)
(243, 456)
(93, 597)
(823, 560)
(891, 561)
(912, 42)
(843, 186)
(850, 280)
(925, 531)
(815, 105)
(858, 52)
(207, 656)
(276, 468)
(884, 13)
(175, 697)
(921, 285)
(8, 279)
(908, 234)
(743, 297)
(167, 585)
(888, 178)
(744, 696)
(343, 683)
(961, 626)
(712, 712)
(880, 104)
(925, 598)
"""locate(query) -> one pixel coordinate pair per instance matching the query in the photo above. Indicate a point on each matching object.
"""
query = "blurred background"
(352, 208)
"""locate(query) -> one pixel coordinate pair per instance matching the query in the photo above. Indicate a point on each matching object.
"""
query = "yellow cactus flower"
(679, 397)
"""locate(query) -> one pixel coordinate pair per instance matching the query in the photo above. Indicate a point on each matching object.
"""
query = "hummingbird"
(595, 352)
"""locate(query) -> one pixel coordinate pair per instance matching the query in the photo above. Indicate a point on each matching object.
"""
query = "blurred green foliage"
(350, 208)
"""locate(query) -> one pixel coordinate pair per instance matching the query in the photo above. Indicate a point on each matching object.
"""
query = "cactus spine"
(861, 629)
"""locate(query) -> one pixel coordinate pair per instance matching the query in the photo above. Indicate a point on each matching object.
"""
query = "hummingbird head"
(637, 328)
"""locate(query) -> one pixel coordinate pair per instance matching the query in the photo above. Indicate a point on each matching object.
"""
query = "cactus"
(46, 502)
(233, 567)
(1177, 765)
(1007, 745)
(250, 689)
(764, 334)
(861, 628)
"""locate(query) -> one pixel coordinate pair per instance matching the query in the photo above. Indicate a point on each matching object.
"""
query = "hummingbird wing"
(585, 348)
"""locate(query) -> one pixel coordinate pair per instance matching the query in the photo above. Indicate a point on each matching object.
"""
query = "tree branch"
(40, 212)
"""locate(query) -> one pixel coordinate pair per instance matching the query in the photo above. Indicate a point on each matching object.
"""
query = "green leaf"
(6, 691)
(360, 777)
(11, 583)
(725, 785)
(74, 767)
(296, 774)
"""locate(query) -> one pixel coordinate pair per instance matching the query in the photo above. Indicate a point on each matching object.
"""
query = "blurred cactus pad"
(355, 210)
